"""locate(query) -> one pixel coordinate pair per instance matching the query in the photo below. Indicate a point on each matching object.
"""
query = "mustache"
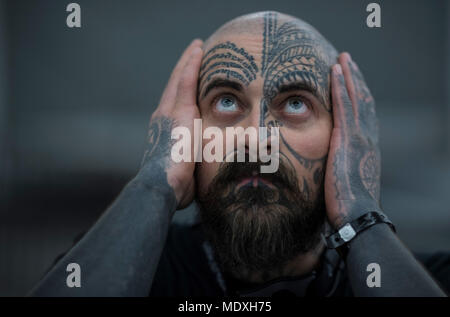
(232, 172)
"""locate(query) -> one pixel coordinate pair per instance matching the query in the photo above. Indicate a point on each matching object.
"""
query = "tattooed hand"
(352, 180)
(178, 107)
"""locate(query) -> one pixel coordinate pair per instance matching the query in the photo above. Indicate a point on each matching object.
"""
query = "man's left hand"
(352, 179)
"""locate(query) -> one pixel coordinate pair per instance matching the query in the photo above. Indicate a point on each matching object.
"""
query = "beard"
(259, 229)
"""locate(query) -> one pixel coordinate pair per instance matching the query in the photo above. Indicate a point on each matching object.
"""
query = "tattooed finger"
(342, 106)
(366, 105)
(344, 61)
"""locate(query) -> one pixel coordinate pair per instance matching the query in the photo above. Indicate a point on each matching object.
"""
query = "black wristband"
(346, 233)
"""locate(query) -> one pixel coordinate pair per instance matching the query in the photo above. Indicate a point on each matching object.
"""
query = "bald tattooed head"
(266, 69)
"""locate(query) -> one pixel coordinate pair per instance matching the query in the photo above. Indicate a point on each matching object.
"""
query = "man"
(255, 234)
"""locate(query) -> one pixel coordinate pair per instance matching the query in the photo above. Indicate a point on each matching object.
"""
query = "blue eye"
(226, 104)
(295, 106)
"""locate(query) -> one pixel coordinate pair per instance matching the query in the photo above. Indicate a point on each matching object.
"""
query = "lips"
(254, 181)
(235, 176)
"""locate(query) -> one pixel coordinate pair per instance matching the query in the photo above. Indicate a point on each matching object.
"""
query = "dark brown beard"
(259, 229)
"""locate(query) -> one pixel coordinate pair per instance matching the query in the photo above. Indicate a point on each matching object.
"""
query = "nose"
(257, 120)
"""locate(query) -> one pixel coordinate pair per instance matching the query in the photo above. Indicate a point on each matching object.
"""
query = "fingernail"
(197, 41)
(338, 69)
(196, 51)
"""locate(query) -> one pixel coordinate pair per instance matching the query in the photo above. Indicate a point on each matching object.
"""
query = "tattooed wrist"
(156, 160)
(153, 180)
(159, 142)
(351, 210)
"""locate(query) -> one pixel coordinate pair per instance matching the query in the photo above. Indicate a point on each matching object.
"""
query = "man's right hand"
(128, 237)
(177, 107)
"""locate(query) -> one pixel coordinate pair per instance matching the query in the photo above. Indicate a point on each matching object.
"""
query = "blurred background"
(75, 104)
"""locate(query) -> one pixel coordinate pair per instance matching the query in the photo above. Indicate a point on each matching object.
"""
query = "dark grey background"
(75, 104)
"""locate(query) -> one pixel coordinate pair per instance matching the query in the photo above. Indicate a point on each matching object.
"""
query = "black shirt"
(187, 268)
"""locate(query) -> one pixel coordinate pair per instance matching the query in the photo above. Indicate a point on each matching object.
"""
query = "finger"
(362, 100)
(187, 86)
(362, 91)
(358, 90)
(185, 57)
(342, 106)
(170, 91)
(344, 60)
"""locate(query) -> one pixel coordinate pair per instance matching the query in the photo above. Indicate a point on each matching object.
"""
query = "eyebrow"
(298, 86)
(220, 82)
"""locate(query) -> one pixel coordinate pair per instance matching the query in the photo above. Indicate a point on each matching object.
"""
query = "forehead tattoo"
(293, 54)
(229, 60)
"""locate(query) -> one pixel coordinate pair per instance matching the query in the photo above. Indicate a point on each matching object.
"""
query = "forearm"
(400, 273)
(120, 254)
